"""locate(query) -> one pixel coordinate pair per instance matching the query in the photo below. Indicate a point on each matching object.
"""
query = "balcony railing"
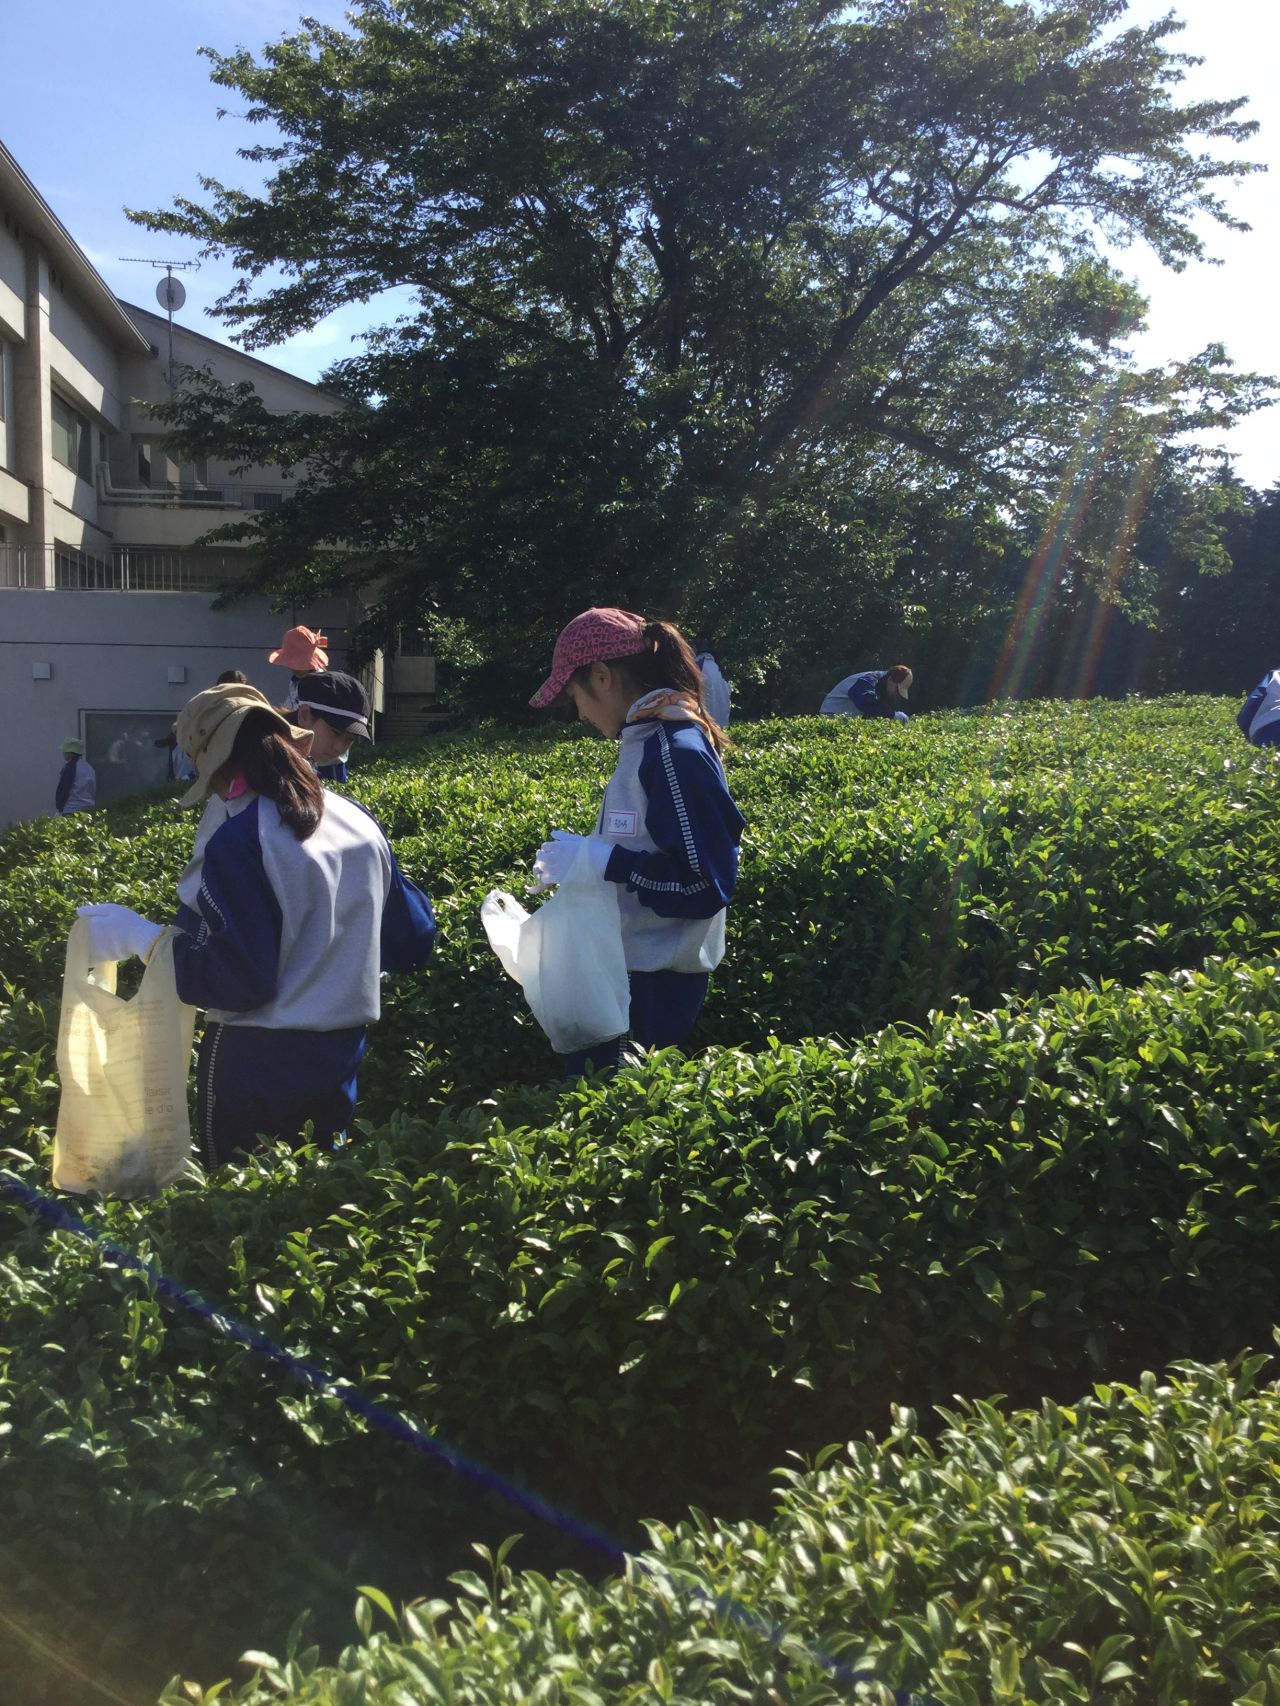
(191, 494)
(54, 568)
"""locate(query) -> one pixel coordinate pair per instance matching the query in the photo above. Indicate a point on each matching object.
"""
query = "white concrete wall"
(166, 527)
(13, 286)
(7, 349)
(107, 651)
(112, 651)
(13, 319)
(85, 363)
(15, 502)
(149, 380)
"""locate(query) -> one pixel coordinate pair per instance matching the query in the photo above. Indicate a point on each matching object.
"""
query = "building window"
(124, 749)
(72, 442)
(144, 464)
(4, 379)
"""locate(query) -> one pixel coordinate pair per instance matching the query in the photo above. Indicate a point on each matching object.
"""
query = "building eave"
(220, 348)
(34, 213)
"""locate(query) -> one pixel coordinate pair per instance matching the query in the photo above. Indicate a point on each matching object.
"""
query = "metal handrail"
(56, 568)
(191, 494)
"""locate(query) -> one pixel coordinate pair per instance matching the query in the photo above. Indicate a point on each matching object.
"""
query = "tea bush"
(626, 1296)
(1124, 1549)
(885, 872)
(589, 1305)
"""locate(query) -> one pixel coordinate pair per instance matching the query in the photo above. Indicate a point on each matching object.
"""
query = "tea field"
(982, 1127)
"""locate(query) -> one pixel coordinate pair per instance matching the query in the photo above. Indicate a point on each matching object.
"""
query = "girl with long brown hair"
(668, 831)
(295, 907)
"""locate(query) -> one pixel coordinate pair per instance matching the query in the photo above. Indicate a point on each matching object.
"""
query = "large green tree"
(735, 309)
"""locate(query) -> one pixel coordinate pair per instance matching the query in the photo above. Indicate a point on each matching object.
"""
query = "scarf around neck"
(669, 705)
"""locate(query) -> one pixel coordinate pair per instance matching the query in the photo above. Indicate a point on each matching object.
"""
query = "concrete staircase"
(412, 725)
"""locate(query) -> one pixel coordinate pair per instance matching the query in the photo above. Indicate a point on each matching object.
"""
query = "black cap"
(340, 699)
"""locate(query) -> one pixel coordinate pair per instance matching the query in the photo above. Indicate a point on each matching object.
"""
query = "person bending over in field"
(871, 693)
(300, 906)
(668, 831)
(1259, 717)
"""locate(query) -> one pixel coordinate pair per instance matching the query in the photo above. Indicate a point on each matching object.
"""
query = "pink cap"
(594, 637)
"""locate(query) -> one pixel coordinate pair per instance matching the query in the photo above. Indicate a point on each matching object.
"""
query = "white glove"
(117, 932)
(555, 857)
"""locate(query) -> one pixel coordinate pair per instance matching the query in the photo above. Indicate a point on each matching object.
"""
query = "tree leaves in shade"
(717, 309)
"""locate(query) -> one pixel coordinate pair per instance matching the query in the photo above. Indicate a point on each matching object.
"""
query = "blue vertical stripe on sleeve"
(232, 962)
(694, 822)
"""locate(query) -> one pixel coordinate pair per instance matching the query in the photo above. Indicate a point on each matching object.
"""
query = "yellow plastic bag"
(123, 1128)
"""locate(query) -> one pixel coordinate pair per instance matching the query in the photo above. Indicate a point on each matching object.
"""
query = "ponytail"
(667, 661)
(272, 766)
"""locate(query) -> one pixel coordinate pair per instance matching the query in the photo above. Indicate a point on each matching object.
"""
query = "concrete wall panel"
(113, 651)
(13, 314)
(13, 285)
(15, 500)
(86, 361)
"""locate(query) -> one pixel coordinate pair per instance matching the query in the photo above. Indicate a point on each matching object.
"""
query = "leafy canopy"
(717, 308)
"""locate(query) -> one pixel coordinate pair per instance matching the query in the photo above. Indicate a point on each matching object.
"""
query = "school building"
(107, 623)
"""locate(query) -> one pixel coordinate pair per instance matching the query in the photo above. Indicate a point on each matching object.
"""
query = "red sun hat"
(302, 651)
(594, 637)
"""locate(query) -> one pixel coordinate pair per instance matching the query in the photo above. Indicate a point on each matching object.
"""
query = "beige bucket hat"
(207, 727)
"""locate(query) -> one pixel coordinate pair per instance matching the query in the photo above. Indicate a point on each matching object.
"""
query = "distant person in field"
(77, 787)
(870, 693)
(301, 652)
(1259, 718)
(715, 689)
(181, 769)
(668, 831)
(336, 708)
(300, 908)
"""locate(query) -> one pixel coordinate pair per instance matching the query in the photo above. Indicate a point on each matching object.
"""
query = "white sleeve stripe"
(213, 905)
(690, 851)
(669, 888)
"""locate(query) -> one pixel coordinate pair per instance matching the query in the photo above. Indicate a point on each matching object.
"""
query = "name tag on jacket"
(619, 823)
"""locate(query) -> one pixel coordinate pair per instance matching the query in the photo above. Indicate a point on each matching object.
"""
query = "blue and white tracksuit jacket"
(856, 696)
(1259, 718)
(283, 946)
(675, 831)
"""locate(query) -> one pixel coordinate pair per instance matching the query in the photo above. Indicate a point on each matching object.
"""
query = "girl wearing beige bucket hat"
(300, 907)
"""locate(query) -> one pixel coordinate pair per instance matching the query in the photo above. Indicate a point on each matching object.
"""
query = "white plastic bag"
(567, 957)
(123, 1128)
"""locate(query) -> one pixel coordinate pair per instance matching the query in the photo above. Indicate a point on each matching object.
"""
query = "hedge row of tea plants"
(885, 872)
(623, 1296)
(1124, 1549)
(568, 1308)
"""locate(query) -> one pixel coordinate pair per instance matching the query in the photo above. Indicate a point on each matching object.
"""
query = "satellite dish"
(170, 294)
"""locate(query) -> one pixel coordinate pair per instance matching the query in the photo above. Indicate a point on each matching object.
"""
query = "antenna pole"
(168, 273)
(170, 267)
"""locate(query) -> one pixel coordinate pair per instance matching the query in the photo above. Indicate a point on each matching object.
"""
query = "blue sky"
(107, 106)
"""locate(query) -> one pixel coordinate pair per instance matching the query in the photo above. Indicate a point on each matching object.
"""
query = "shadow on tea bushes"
(635, 1295)
(1124, 1548)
